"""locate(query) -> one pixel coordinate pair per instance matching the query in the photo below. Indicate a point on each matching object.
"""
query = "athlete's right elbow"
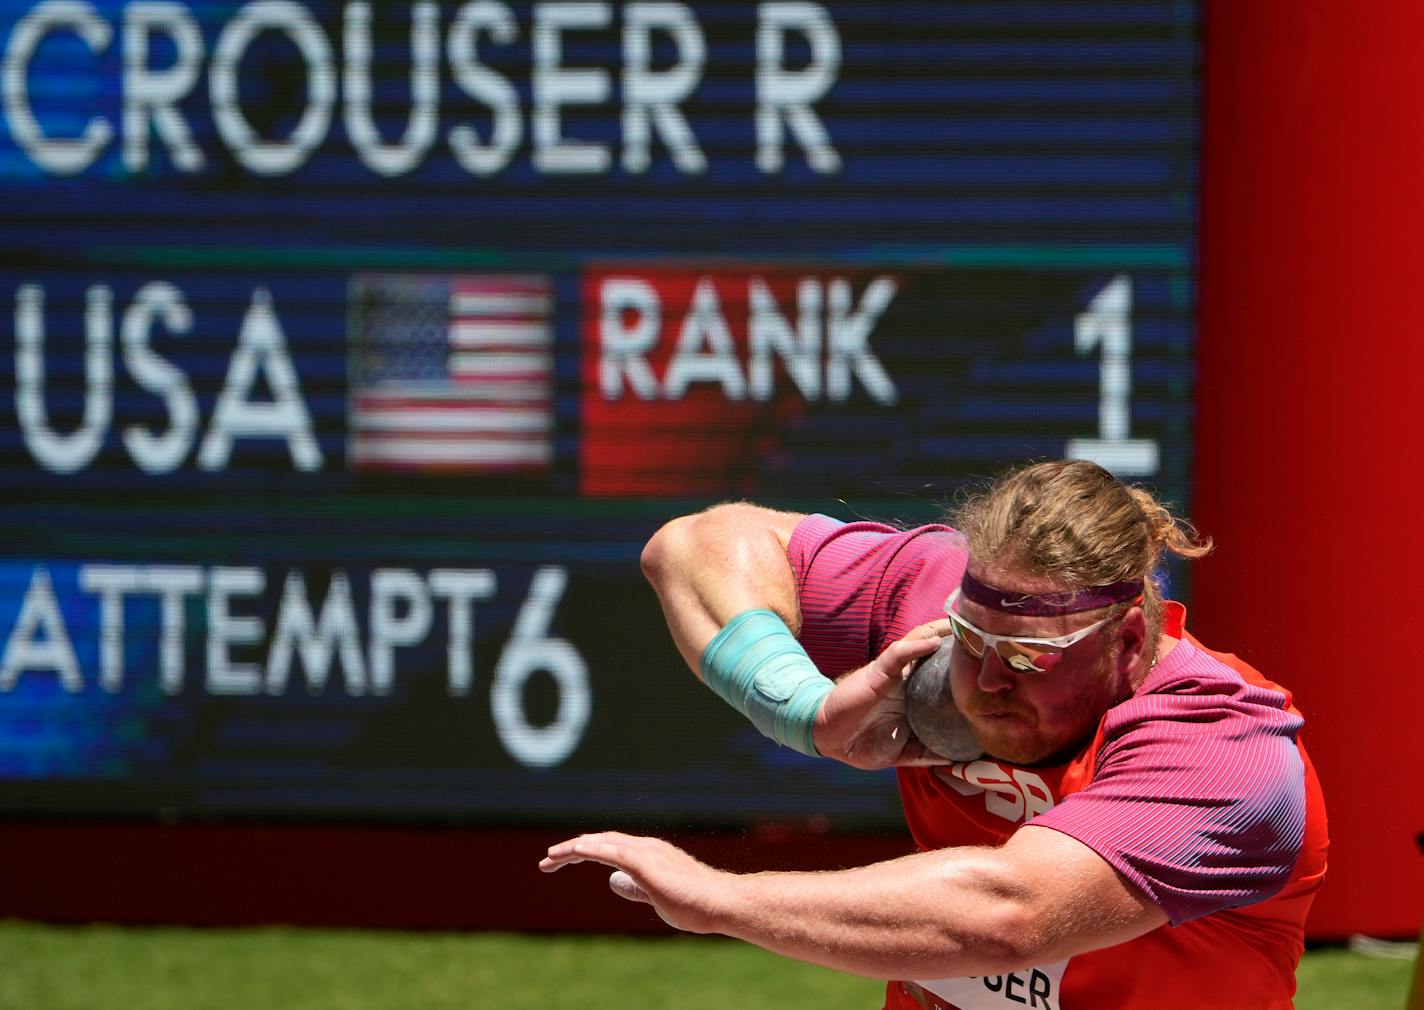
(687, 542)
(667, 551)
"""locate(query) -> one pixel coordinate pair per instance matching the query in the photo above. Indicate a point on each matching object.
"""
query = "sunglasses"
(1026, 655)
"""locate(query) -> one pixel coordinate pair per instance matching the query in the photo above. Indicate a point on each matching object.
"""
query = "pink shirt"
(1197, 794)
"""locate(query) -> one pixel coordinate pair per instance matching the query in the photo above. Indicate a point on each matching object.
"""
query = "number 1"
(1106, 326)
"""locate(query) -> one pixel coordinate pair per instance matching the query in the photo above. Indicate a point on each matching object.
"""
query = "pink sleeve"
(863, 585)
(1198, 797)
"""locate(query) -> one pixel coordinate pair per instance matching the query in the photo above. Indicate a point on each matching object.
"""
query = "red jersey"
(1196, 789)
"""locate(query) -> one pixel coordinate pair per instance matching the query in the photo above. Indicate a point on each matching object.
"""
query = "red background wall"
(1309, 432)
(374, 877)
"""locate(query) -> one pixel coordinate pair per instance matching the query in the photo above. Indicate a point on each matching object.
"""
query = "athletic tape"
(756, 665)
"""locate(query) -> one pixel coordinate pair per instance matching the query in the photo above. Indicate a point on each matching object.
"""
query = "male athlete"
(1142, 829)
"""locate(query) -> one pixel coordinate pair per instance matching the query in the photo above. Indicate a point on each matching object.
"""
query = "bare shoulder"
(738, 519)
(744, 516)
(730, 536)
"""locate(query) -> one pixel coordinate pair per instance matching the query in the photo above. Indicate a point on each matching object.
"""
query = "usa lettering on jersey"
(1015, 794)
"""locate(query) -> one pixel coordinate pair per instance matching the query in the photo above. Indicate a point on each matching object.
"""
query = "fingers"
(941, 627)
(930, 629)
(607, 847)
(621, 884)
(883, 675)
(900, 656)
(913, 648)
(931, 632)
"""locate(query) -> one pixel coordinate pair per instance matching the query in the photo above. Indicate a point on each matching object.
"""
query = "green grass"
(1332, 978)
(101, 967)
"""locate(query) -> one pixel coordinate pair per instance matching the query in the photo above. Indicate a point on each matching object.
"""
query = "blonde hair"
(1073, 522)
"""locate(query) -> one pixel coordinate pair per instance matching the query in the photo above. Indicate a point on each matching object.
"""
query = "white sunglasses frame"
(1015, 662)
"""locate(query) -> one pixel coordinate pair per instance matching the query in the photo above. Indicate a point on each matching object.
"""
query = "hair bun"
(1166, 531)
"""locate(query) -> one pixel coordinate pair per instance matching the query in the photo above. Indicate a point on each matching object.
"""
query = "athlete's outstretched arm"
(1041, 897)
(711, 566)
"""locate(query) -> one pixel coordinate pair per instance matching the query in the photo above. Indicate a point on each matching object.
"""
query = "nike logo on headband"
(1051, 604)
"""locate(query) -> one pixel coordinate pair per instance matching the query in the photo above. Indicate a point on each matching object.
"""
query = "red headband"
(1049, 604)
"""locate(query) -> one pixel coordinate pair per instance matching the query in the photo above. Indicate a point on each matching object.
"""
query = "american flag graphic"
(451, 373)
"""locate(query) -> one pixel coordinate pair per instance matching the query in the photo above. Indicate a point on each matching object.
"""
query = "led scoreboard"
(353, 350)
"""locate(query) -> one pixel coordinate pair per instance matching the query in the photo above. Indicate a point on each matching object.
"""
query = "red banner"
(694, 377)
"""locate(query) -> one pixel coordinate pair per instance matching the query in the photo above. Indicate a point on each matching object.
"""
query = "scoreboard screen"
(352, 352)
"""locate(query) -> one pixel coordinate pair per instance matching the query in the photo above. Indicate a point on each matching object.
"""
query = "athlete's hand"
(862, 721)
(682, 890)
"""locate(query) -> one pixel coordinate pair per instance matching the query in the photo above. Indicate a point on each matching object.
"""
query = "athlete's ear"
(1131, 642)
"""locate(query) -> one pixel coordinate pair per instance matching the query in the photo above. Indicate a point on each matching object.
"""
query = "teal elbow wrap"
(756, 665)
